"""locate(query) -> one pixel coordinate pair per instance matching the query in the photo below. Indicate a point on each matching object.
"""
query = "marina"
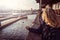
(29, 19)
(14, 28)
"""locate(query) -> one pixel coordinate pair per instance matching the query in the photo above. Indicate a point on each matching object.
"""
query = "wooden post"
(40, 4)
(0, 22)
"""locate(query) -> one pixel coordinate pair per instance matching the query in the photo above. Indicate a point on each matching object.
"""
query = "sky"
(18, 4)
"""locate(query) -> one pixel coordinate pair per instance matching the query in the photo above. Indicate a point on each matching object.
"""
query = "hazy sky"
(18, 4)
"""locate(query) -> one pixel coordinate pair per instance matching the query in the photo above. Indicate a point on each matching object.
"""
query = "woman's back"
(50, 17)
(52, 21)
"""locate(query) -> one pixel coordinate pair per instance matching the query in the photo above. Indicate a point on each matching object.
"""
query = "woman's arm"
(38, 31)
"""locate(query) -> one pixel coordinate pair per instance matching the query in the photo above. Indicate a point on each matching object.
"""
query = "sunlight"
(19, 4)
(8, 3)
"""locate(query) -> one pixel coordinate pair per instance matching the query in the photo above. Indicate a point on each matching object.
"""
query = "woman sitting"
(48, 25)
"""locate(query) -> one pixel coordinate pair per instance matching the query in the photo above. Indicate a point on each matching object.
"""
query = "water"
(15, 31)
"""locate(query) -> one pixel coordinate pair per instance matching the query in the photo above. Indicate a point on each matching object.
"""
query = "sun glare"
(19, 4)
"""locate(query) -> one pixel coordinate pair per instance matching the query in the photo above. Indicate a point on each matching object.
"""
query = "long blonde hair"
(48, 16)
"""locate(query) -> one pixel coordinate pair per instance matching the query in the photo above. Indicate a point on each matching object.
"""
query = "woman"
(49, 26)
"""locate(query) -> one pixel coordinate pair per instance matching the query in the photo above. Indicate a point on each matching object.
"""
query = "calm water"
(15, 31)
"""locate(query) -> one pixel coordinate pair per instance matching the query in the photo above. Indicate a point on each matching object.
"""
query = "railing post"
(0, 22)
(40, 4)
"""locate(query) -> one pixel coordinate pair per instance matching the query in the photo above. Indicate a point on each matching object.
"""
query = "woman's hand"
(27, 27)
